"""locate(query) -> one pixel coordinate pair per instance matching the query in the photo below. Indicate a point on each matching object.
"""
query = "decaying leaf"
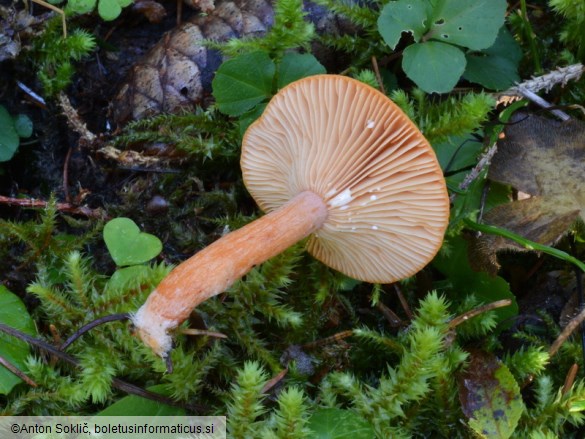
(545, 159)
(490, 396)
(16, 27)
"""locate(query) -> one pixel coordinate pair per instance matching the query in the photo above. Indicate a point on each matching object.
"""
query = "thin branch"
(546, 82)
(193, 331)
(116, 382)
(378, 76)
(93, 324)
(61, 12)
(16, 371)
(328, 340)
(274, 380)
(483, 163)
(403, 302)
(477, 311)
(528, 94)
(570, 378)
(389, 315)
(75, 122)
(62, 207)
(66, 175)
(569, 329)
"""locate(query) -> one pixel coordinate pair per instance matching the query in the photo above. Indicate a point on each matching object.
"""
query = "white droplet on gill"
(341, 199)
(370, 124)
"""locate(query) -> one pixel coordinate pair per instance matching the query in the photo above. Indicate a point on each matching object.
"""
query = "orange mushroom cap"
(388, 206)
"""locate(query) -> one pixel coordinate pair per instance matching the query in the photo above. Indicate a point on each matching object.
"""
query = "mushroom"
(332, 158)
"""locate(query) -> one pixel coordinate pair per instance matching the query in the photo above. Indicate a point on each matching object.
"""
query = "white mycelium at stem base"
(332, 158)
(215, 268)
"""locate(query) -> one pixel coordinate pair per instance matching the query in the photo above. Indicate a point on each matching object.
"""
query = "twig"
(75, 122)
(390, 315)
(193, 331)
(571, 326)
(66, 175)
(570, 378)
(378, 76)
(403, 302)
(483, 163)
(116, 382)
(327, 340)
(58, 11)
(274, 380)
(16, 371)
(528, 94)
(63, 207)
(477, 311)
(545, 82)
(93, 324)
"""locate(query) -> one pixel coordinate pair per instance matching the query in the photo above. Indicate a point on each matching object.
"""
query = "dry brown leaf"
(546, 159)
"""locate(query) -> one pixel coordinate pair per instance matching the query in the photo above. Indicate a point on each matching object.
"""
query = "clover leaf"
(128, 245)
(246, 81)
(107, 9)
(442, 31)
(12, 129)
(497, 66)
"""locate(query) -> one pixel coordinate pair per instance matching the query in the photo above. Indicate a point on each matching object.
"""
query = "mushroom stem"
(215, 268)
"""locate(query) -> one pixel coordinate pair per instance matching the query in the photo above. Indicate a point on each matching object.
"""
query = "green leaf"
(137, 406)
(295, 66)
(123, 277)
(332, 423)
(250, 116)
(23, 125)
(467, 23)
(14, 314)
(242, 82)
(454, 264)
(8, 135)
(127, 244)
(81, 6)
(403, 16)
(458, 152)
(490, 396)
(434, 66)
(109, 9)
(497, 66)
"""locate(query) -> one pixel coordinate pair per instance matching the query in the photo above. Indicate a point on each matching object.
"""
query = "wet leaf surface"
(128, 245)
(490, 396)
(13, 313)
(545, 159)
